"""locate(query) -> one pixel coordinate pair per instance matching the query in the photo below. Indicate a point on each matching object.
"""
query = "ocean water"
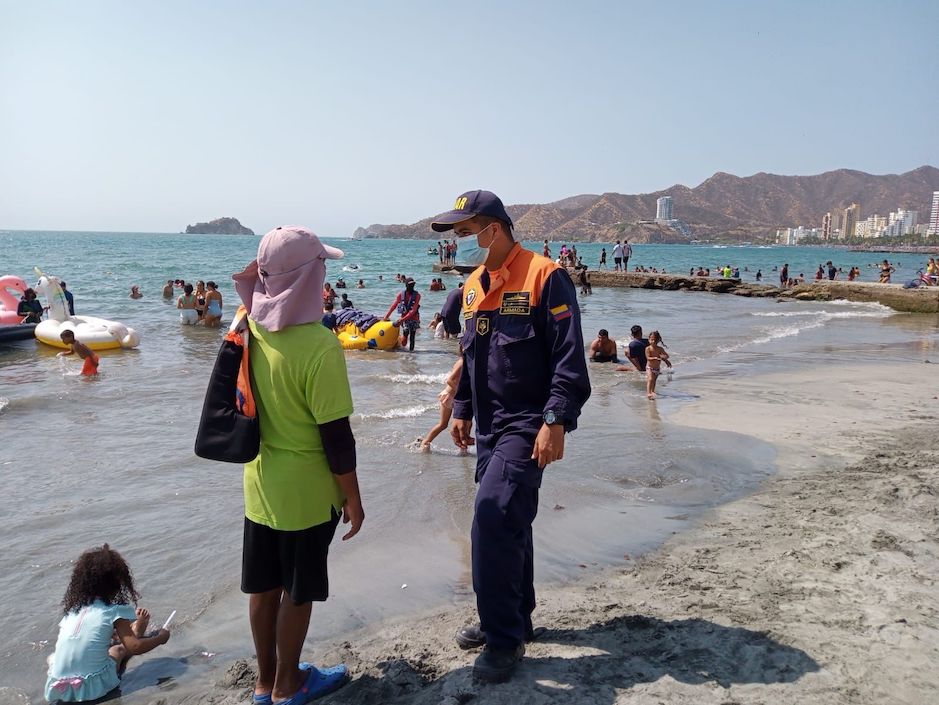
(85, 462)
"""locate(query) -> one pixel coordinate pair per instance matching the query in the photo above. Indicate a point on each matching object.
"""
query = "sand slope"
(820, 588)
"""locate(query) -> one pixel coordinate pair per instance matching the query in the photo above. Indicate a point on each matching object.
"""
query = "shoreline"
(817, 588)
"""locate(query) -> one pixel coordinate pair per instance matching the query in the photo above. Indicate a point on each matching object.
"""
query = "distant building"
(849, 220)
(663, 209)
(793, 236)
(901, 222)
(873, 226)
(826, 226)
(933, 228)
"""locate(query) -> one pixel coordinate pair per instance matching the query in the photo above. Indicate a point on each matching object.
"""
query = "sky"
(146, 116)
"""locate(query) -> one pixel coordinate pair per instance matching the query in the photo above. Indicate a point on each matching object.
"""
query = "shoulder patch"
(470, 296)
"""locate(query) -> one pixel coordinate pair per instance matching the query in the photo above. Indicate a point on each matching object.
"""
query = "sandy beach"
(818, 588)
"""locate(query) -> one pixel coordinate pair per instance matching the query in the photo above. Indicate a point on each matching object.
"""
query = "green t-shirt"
(299, 379)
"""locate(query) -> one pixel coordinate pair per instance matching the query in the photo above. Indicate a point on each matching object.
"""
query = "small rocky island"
(219, 226)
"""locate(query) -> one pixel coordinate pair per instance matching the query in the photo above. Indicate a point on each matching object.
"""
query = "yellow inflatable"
(379, 336)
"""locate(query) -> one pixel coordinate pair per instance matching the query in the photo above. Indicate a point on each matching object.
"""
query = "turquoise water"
(89, 461)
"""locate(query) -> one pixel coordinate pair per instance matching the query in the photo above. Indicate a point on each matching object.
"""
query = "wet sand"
(818, 588)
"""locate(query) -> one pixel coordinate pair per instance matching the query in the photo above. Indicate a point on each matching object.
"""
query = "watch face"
(550, 417)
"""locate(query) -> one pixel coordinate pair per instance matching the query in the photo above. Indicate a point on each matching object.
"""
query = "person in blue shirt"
(523, 382)
(69, 298)
(635, 352)
(452, 311)
(100, 631)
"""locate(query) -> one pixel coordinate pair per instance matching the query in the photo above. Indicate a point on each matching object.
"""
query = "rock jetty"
(921, 300)
(219, 226)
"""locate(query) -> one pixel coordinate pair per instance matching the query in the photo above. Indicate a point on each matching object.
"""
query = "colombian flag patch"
(561, 312)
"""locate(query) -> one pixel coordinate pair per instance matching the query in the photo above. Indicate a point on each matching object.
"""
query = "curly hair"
(99, 574)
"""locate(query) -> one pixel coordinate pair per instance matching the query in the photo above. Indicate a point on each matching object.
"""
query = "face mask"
(471, 252)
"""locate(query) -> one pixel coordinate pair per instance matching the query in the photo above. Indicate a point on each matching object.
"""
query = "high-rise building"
(849, 218)
(826, 226)
(663, 208)
(933, 228)
(901, 222)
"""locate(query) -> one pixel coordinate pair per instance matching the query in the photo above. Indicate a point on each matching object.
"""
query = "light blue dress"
(80, 669)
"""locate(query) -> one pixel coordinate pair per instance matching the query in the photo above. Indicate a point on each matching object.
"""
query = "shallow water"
(88, 461)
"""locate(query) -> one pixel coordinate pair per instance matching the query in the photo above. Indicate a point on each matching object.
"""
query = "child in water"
(90, 368)
(446, 403)
(655, 356)
(100, 631)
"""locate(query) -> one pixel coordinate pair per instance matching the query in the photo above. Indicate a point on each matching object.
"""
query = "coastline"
(817, 588)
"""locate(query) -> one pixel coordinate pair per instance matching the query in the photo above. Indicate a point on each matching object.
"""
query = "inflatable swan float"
(8, 302)
(96, 333)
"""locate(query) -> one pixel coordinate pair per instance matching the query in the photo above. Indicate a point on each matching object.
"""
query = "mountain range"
(723, 207)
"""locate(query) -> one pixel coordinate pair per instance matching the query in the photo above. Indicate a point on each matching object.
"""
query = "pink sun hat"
(284, 285)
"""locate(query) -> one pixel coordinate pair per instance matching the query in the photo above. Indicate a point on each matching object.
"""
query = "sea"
(88, 461)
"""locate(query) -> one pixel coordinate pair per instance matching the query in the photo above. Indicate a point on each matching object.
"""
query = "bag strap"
(240, 334)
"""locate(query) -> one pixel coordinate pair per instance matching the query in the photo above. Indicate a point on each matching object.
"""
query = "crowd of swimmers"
(198, 305)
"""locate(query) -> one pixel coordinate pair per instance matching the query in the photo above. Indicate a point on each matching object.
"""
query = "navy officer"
(524, 382)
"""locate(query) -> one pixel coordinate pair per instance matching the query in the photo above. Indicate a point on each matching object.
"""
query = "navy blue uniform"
(523, 355)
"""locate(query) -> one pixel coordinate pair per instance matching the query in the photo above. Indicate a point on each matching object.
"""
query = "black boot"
(473, 637)
(497, 666)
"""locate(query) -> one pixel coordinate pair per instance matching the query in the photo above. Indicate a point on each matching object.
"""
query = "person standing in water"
(91, 360)
(186, 304)
(213, 306)
(408, 305)
(655, 356)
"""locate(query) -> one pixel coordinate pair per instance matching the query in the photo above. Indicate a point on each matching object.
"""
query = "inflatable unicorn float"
(96, 333)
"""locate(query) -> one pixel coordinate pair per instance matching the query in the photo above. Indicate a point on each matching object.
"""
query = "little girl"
(655, 356)
(446, 403)
(100, 630)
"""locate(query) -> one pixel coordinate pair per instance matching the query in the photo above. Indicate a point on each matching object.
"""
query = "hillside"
(724, 206)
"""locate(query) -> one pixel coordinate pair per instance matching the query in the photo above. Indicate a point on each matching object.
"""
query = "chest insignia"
(470, 297)
(482, 325)
(516, 303)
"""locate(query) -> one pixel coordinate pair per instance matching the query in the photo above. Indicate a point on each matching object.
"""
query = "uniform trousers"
(503, 554)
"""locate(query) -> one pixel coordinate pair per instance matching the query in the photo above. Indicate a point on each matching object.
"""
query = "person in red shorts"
(90, 367)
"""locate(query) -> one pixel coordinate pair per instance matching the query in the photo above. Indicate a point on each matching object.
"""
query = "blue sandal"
(319, 683)
(266, 698)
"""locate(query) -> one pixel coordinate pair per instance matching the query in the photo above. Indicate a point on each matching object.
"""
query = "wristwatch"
(551, 418)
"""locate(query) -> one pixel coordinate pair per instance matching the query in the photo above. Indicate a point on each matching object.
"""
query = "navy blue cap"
(468, 205)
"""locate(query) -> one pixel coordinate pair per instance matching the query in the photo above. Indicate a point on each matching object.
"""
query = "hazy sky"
(147, 116)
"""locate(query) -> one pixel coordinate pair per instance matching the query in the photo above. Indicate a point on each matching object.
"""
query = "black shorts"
(292, 560)
(617, 260)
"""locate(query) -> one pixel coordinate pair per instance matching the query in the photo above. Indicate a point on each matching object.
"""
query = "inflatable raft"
(10, 302)
(96, 333)
(362, 331)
